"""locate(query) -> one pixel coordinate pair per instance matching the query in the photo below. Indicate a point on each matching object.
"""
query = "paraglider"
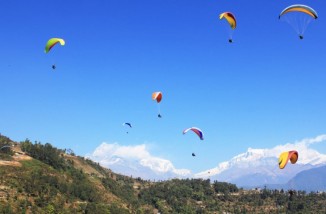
(230, 18)
(127, 124)
(299, 17)
(157, 96)
(286, 156)
(51, 43)
(197, 131)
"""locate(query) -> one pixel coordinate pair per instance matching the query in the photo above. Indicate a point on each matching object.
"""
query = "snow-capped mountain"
(136, 161)
(257, 167)
(136, 168)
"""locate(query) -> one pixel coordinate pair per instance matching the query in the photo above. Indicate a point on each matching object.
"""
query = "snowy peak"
(251, 168)
(262, 164)
(136, 161)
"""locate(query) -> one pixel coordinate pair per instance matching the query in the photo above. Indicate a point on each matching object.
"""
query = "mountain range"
(258, 167)
(253, 168)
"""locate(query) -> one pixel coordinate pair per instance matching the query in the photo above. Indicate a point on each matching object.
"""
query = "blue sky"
(265, 89)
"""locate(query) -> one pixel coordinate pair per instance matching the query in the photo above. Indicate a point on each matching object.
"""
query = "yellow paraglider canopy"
(230, 18)
(286, 156)
(52, 42)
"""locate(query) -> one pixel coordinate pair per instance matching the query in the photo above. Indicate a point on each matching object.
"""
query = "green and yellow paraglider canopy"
(52, 42)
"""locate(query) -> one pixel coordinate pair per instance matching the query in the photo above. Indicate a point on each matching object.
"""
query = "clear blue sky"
(265, 89)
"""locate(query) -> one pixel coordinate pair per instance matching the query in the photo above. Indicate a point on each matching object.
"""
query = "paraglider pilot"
(53, 66)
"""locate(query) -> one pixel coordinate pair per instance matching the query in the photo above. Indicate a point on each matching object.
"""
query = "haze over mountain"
(309, 180)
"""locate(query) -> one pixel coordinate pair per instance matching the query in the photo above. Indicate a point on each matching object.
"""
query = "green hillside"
(39, 178)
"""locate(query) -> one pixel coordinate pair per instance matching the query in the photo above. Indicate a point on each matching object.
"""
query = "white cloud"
(135, 160)
(307, 155)
(108, 151)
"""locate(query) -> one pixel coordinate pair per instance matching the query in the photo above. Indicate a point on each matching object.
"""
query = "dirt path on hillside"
(15, 162)
(10, 163)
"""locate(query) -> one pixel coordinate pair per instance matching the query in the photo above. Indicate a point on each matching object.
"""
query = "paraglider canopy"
(197, 131)
(286, 156)
(52, 42)
(300, 8)
(157, 96)
(127, 124)
(230, 18)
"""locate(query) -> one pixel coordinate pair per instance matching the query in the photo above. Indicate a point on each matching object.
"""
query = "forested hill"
(39, 178)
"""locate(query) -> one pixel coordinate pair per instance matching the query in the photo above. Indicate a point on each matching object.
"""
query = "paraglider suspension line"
(159, 110)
